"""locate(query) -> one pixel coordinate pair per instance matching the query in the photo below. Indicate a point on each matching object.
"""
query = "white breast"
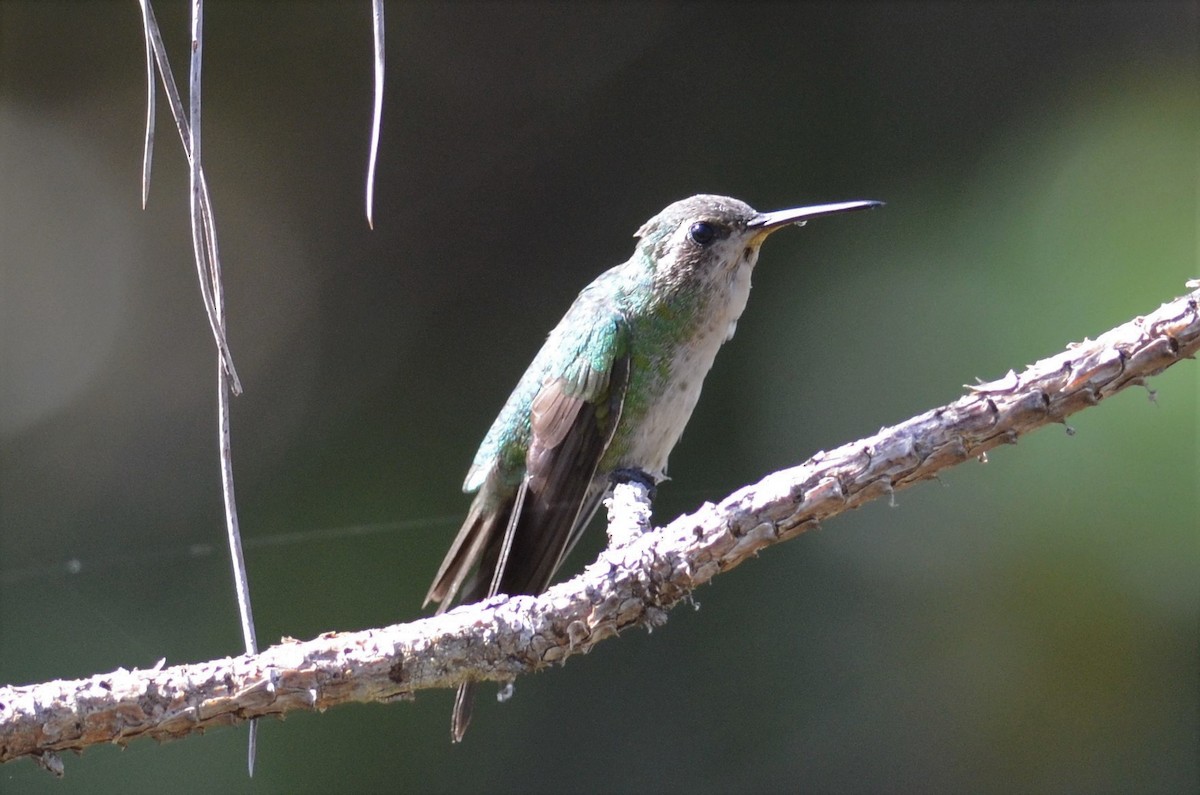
(667, 417)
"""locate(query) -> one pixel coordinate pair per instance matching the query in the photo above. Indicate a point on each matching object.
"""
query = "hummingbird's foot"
(635, 475)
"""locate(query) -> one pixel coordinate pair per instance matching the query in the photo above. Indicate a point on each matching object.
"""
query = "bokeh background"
(1032, 624)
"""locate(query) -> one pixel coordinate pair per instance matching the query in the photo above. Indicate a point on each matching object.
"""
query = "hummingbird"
(606, 397)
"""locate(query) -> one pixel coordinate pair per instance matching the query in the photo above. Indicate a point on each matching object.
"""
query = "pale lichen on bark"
(633, 583)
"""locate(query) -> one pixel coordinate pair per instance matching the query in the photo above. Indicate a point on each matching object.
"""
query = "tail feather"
(464, 703)
(479, 529)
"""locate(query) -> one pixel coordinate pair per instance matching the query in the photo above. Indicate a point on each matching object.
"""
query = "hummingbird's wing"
(572, 421)
(519, 534)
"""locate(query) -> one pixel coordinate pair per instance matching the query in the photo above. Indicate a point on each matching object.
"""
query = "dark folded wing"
(572, 423)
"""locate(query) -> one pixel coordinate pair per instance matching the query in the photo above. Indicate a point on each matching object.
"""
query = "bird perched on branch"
(608, 395)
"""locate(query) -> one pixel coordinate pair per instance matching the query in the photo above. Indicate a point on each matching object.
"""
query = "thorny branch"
(633, 583)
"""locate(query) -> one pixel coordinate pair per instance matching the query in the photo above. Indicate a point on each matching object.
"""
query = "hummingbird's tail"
(464, 702)
(483, 523)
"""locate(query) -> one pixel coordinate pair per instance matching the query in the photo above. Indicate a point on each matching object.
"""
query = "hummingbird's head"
(707, 239)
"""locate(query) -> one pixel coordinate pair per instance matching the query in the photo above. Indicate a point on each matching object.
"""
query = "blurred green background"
(1030, 625)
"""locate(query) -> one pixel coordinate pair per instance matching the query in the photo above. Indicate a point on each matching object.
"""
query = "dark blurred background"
(1032, 624)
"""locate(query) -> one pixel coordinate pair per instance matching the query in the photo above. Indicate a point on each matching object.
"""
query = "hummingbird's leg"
(634, 475)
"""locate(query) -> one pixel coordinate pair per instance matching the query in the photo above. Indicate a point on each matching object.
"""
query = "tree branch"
(633, 583)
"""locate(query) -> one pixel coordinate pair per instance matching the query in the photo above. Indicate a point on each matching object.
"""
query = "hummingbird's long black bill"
(798, 215)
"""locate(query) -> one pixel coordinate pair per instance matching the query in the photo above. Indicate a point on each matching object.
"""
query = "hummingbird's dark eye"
(702, 233)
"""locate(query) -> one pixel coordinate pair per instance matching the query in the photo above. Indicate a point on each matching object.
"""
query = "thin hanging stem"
(148, 147)
(208, 267)
(198, 237)
(377, 116)
(204, 241)
(181, 124)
